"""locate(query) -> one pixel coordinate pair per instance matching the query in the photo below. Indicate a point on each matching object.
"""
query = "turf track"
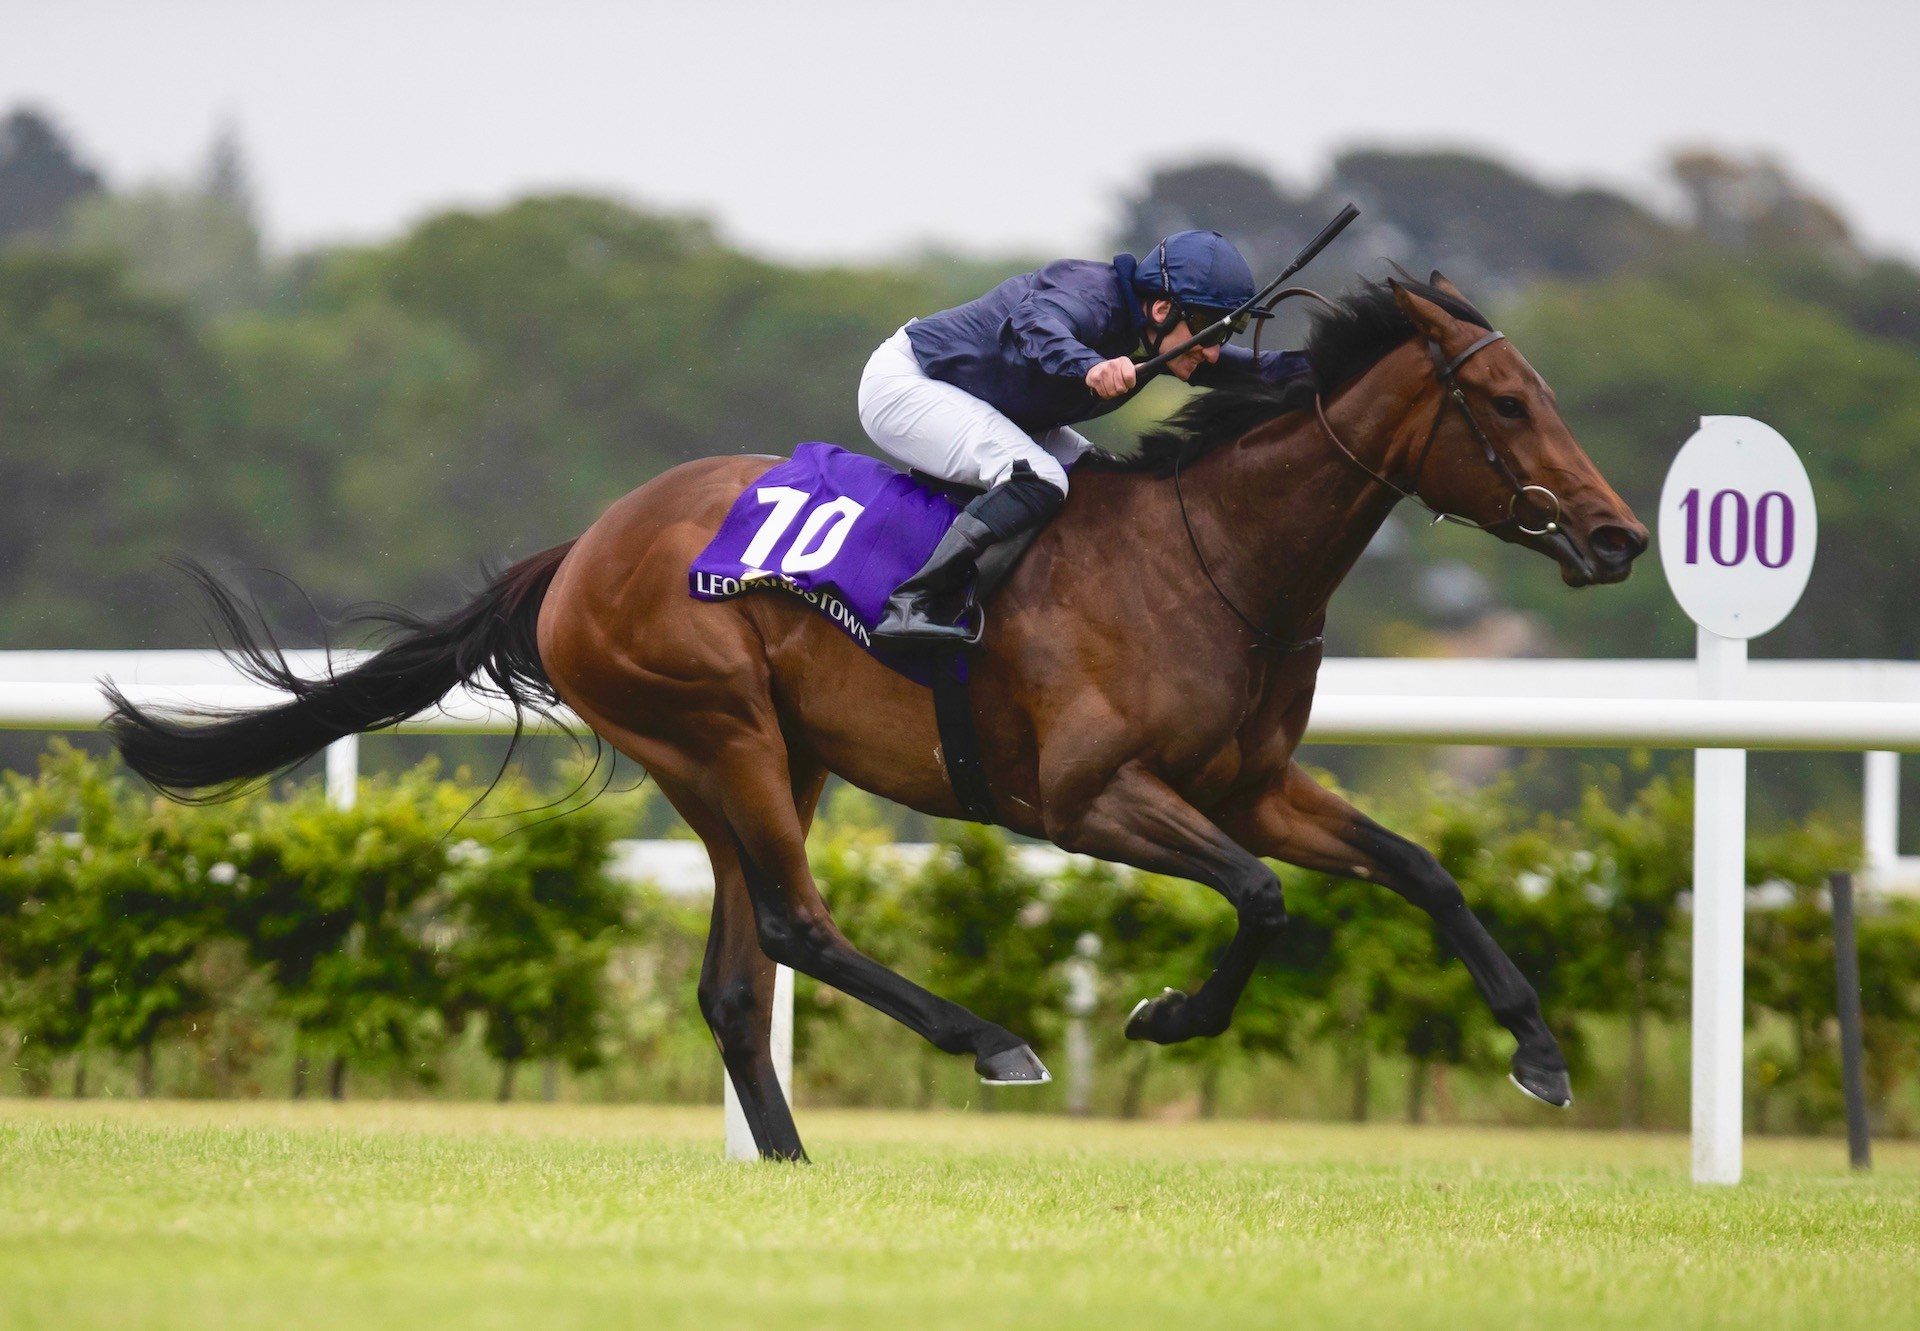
(263, 1215)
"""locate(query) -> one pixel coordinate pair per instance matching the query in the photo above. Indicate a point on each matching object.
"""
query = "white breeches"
(948, 432)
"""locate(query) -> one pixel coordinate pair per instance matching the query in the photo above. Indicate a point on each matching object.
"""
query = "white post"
(739, 1136)
(1880, 815)
(1719, 927)
(1083, 995)
(343, 771)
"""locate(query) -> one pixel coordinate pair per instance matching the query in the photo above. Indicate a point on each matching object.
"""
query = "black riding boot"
(1016, 508)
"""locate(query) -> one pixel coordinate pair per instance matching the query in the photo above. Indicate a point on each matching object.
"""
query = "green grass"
(212, 1215)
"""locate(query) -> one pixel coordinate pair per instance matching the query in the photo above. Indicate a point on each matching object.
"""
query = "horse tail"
(201, 756)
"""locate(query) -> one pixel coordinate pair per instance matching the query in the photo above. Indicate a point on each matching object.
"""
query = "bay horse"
(1140, 691)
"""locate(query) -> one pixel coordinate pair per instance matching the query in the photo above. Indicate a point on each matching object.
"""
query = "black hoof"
(1164, 1020)
(1550, 1086)
(1018, 1066)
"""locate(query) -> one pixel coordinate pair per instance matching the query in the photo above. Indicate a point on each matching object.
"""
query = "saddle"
(841, 530)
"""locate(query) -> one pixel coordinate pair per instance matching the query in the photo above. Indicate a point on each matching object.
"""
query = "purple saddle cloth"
(839, 530)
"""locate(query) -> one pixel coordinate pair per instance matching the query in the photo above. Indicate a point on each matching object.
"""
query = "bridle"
(1447, 372)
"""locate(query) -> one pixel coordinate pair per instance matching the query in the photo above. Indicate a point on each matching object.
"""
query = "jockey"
(985, 394)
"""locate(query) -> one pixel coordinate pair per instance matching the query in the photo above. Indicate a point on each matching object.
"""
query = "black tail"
(205, 756)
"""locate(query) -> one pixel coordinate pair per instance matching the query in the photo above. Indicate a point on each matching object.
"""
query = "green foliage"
(112, 414)
(190, 244)
(1609, 913)
(101, 925)
(1789, 970)
(984, 921)
(338, 906)
(377, 934)
(534, 917)
(385, 937)
(41, 177)
(1635, 364)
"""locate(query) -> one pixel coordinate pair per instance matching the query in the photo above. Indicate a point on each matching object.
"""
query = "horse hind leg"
(736, 977)
(736, 998)
(796, 929)
(737, 988)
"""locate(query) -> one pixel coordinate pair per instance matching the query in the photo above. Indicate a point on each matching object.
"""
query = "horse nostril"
(1615, 546)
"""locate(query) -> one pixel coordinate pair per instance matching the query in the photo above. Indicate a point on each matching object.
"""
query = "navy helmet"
(1197, 270)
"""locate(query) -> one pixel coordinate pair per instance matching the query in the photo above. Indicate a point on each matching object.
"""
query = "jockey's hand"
(1111, 378)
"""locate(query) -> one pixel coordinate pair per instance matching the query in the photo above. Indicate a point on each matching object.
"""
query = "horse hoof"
(1157, 1020)
(1550, 1086)
(1018, 1066)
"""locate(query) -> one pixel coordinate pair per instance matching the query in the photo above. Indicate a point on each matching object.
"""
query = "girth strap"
(960, 739)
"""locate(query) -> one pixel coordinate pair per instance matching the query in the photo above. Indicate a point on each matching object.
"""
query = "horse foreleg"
(796, 929)
(1137, 819)
(1303, 823)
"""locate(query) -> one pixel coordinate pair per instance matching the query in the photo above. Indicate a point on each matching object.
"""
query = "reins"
(1446, 372)
(1282, 645)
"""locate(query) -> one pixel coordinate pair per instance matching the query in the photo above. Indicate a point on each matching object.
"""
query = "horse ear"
(1439, 283)
(1428, 318)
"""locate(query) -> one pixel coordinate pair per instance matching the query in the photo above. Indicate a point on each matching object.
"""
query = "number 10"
(820, 537)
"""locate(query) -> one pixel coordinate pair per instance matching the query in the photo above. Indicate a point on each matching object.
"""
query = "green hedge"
(424, 945)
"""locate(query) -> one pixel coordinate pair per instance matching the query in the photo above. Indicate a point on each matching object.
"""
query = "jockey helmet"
(1201, 273)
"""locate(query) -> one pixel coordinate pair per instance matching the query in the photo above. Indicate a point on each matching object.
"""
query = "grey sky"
(846, 129)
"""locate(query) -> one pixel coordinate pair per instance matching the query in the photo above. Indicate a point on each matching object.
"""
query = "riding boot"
(1010, 511)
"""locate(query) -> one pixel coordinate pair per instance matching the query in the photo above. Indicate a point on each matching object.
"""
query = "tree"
(354, 421)
(111, 409)
(41, 178)
(1492, 227)
(1241, 202)
(188, 244)
(1754, 203)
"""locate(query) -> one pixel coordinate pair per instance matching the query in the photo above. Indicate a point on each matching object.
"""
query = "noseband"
(1447, 373)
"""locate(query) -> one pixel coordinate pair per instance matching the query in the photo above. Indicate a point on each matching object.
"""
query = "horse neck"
(1282, 514)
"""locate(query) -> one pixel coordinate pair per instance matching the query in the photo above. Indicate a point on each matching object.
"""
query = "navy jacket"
(1025, 347)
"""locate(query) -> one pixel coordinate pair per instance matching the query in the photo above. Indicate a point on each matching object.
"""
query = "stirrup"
(949, 637)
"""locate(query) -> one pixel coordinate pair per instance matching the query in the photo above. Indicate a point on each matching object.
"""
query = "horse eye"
(1510, 407)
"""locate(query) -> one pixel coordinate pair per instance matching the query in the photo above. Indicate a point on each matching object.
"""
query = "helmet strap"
(1157, 329)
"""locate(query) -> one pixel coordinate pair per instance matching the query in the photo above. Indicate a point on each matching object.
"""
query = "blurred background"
(369, 297)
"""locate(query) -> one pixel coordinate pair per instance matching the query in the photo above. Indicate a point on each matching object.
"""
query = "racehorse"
(1140, 691)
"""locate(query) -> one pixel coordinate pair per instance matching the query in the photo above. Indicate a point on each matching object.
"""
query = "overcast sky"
(850, 129)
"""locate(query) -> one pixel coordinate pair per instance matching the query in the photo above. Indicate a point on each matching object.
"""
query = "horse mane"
(1344, 342)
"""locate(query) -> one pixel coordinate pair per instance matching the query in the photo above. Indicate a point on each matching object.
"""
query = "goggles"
(1200, 318)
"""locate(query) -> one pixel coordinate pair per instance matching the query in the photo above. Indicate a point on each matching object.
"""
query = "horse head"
(1498, 455)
